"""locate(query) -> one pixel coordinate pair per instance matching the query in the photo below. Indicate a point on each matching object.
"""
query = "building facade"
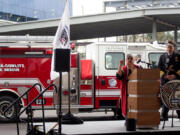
(139, 4)
(29, 10)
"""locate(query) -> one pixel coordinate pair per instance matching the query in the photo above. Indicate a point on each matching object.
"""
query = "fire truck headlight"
(112, 82)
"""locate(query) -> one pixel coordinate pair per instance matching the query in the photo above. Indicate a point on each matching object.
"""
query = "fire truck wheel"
(5, 101)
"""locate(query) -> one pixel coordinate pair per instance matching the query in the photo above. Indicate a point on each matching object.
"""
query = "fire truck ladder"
(28, 109)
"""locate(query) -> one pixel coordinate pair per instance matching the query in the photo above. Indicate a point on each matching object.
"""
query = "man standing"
(169, 65)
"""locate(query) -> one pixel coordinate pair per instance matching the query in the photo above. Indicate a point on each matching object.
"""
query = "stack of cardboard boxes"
(143, 97)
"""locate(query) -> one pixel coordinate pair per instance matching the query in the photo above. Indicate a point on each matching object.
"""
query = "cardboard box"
(144, 87)
(143, 103)
(145, 74)
(146, 119)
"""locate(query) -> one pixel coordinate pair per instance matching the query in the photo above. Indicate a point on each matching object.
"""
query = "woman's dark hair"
(129, 56)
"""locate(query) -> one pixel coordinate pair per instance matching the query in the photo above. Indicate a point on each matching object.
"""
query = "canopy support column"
(175, 35)
(154, 31)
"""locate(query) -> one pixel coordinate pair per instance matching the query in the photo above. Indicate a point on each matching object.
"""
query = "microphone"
(138, 61)
(144, 62)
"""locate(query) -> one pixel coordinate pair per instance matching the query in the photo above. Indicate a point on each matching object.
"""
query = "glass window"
(112, 60)
(154, 59)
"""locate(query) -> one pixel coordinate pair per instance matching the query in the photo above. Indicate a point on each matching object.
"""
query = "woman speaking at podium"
(122, 74)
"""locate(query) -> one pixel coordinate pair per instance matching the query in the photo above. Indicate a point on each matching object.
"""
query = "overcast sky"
(86, 7)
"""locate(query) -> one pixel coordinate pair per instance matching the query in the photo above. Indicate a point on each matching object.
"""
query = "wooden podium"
(143, 100)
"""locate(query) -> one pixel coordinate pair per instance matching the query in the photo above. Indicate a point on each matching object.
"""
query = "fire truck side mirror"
(103, 82)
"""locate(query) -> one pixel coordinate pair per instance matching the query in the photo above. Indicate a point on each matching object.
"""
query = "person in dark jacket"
(169, 64)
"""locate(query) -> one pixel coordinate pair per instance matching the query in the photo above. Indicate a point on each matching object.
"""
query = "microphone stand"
(148, 64)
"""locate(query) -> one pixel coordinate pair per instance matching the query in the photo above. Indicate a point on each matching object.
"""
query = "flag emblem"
(64, 38)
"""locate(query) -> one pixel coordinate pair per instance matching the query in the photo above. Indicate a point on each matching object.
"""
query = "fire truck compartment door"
(86, 69)
(86, 84)
(73, 91)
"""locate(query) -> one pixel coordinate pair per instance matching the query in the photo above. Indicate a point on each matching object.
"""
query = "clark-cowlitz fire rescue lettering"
(11, 67)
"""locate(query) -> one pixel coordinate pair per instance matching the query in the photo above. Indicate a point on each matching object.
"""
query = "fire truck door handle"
(103, 82)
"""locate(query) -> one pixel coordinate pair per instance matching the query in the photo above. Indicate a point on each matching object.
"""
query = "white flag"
(62, 37)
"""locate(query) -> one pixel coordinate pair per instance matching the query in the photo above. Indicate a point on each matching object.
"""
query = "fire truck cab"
(93, 83)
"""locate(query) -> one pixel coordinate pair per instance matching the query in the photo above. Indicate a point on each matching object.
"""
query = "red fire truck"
(92, 80)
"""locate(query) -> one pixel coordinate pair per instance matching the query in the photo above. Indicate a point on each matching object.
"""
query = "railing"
(28, 108)
(28, 112)
(40, 95)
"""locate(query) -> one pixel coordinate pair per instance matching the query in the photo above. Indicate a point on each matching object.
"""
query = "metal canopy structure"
(103, 25)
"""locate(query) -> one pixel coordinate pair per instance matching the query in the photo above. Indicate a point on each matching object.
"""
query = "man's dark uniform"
(169, 64)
